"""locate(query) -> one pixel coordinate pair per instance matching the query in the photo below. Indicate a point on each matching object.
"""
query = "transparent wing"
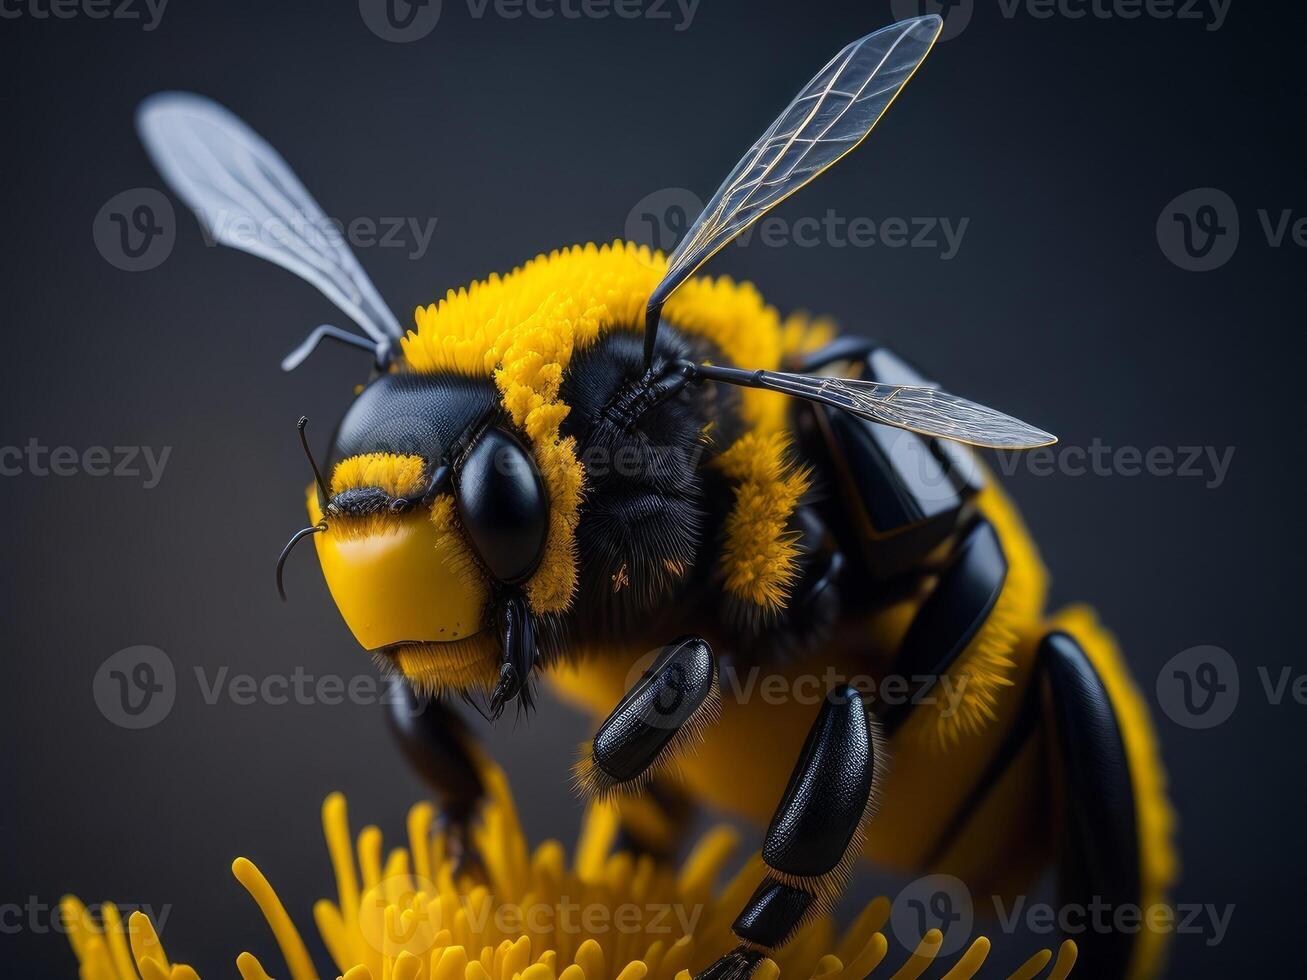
(914, 407)
(831, 116)
(248, 198)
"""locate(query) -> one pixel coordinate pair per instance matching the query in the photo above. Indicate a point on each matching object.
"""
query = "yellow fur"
(433, 668)
(759, 557)
(451, 541)
(399, 476)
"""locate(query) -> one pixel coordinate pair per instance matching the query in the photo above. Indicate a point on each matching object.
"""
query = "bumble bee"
(599, 454)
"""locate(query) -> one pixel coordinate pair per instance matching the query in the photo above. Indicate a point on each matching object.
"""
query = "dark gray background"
(1061, 140)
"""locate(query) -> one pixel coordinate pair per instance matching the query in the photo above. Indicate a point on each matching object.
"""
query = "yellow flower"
(525, 916)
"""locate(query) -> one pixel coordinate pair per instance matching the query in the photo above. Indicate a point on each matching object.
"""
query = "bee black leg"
(814, 835)
(666, 709)
(951, 615)
(437, 744)
(1098, 819)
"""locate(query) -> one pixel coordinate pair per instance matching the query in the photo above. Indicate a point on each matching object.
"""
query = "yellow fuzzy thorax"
(404, 914)
(523, 328)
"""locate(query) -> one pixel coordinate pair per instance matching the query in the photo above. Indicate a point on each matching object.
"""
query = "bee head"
(434, 518)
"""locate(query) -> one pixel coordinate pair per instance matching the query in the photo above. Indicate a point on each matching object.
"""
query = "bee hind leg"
(1096, 808)
(815, 833)
(665, 711)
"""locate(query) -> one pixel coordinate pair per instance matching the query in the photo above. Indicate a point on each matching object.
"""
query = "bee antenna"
(382, 351)
(285, 552)
(317, 474)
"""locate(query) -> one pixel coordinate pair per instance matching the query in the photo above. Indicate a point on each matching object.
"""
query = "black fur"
(641, 534)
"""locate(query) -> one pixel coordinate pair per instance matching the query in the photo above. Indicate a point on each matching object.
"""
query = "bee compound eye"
(502, 504)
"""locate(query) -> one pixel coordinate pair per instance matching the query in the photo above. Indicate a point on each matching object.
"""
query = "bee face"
(436, 511)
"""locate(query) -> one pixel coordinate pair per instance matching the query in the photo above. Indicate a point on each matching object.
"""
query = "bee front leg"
(815, 834)
(438, 745)
(667, 709)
